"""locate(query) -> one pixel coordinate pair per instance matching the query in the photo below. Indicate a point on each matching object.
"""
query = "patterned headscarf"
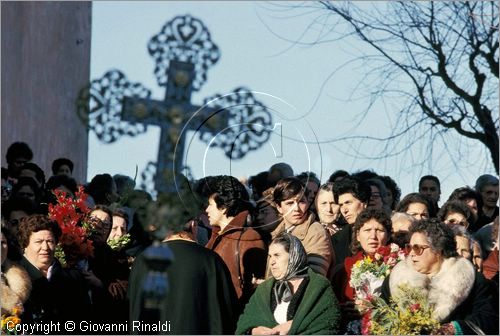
(297, 268)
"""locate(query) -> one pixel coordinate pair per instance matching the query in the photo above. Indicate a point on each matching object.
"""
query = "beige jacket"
(316, 242)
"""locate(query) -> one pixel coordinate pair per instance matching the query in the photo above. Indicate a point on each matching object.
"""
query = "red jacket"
(342, 277)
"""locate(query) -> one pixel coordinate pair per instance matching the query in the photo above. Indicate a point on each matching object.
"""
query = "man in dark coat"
(200, 298)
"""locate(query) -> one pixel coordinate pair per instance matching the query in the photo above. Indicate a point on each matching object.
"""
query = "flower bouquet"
(119, 243)
(409, 313)
(368, 274)
(9, 323)
(71, 215)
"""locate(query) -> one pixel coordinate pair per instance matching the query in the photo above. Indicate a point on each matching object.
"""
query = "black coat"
(63, 297)
(341, 242)
(200, 299)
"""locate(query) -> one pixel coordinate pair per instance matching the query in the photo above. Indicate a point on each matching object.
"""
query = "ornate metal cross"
(183, 52)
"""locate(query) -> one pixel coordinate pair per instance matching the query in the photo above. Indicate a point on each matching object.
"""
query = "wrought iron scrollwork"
(184, 39)
(99, 105)
(249, 123)
(148, 176)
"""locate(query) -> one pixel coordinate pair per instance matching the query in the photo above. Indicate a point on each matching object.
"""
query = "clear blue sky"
(307, 86)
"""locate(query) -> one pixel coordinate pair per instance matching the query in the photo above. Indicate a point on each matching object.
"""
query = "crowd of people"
(270, 255)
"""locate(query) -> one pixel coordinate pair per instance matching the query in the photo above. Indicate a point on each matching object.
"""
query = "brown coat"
(316, 242)
(244, 253)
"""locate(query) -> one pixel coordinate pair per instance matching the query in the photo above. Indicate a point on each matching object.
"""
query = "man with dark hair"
(240, 246)
(353, 196)
(430, 186)
(17, 155)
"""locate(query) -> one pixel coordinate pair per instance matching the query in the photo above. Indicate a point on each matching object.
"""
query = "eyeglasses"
(416, 248)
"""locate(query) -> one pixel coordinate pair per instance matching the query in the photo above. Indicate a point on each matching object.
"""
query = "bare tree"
(447, 51)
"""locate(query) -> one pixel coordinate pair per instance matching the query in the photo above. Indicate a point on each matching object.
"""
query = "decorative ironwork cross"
(183, 52)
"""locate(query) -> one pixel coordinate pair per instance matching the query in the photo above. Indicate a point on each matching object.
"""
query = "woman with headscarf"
(295, 300)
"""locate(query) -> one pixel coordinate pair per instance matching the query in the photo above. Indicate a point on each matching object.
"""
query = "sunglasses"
(416, 248)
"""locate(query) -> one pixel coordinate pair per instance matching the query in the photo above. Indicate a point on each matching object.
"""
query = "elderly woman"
(460, 295)
(16, 284)
(328, 210)
(58, 294)
(295, 300)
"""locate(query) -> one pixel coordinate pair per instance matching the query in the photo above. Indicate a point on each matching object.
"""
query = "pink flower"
(414, 307)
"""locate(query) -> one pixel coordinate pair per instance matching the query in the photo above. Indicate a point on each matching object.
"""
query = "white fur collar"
(446, 290)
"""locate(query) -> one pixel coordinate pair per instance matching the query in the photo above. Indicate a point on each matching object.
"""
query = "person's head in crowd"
(258, 184)
(312, 183)
(469, 196)
(465, 244)
(338, 175)
(124, 184)
(393, 193)
(10, 245)
(287, 257)
(401, 221)
(477, 255)
(120, 224)
(417, 205)
(289, 197)
(430, 186)
(30, 169)
(100, 218)
(62, 166)
(365, 174)
(28, 188)
(6, 185)
(38, 238)
(487, 186)
(431, 243)
(16, 208)
(455, 213)
(277, 172)
(353, 196)
(371, 230)
(17, 155)
(102, 188)
(328, 210)
(62, 183)
(378, 192)
(266, 218)
(228, 198)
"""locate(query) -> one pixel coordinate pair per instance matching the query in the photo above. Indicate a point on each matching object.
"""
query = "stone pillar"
(45, 62)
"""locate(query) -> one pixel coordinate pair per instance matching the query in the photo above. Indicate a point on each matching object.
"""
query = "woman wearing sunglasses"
(462, 298)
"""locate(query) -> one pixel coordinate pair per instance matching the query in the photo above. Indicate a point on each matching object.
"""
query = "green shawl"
(318, 312)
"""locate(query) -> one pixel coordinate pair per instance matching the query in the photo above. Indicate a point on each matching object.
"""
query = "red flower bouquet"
(70, 213)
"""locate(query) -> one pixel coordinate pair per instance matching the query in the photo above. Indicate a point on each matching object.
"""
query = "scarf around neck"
(297, 268)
